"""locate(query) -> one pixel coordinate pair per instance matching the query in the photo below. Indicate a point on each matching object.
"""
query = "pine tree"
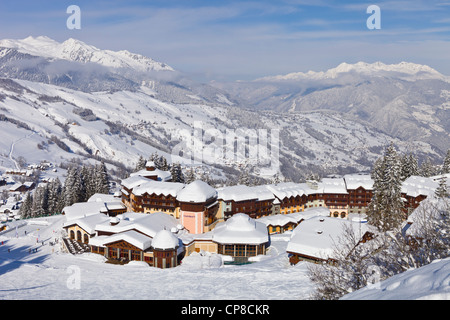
(413, 165)
(409, 166)
(39, 206)
(101, 179)
(177, 173)
(190, 176)
(140, 165)
(25, 208)
(427, 169)
(54, 196)
(244, 178)
(72, 186)
(386, 208)
(441, 191)
(446, 165)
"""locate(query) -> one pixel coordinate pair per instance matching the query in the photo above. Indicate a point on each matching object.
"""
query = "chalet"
(22, 187)
(415, 189)
(314, 239)
(152, 173)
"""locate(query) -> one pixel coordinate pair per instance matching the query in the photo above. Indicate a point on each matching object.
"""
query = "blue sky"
(231, 40)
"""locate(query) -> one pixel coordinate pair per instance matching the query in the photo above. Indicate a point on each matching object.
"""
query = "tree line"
(80, 184)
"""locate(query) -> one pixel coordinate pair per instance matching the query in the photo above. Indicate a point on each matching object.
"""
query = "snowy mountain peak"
(76, 50)
(364, 68)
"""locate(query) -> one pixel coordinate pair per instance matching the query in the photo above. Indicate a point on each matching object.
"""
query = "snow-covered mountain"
(60, 101)
(376, 69)
(78, 51)
(406, 100)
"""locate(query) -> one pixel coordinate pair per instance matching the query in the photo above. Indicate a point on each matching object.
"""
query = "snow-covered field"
(50, 274)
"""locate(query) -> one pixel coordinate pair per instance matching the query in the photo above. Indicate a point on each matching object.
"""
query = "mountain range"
(70, 100)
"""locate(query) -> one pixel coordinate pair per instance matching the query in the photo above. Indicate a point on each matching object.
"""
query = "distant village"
(158, 221)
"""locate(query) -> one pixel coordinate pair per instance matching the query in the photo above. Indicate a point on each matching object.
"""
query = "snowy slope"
(430, 282)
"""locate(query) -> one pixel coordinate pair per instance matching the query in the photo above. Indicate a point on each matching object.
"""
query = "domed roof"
(165, 239)
(240, 222)
(197, 191)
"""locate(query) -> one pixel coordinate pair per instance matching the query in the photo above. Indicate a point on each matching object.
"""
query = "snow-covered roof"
(160, 174)
(428, 209)
(278, 220)
(147, 223)
(197, 191)
(240, 229)
(333, 185)
(134, 181)
(133, 237)
(295, 217)
(165, 239)
(242, 192)
(416, 185)
(354, 181)
(99, 197)
(286, 189)
(158, 188)
(88, 223)
(317, 236)
(236, 193)
(84, 209)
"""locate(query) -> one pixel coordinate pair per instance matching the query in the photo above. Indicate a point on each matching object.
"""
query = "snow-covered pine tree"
(427, 169)
(446, 164)
(140, 165)
(244, 178)
(39, 206)
(373, 216)
(413, 165)
(409, 166)
(189, 176)
(72, 186)
(162, 164)
(386, 208)
(441, 191)
(25, 208)
(55, 196)
(177, 173)
(101, 179)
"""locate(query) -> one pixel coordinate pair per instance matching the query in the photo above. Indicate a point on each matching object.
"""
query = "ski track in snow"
(11, 149)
